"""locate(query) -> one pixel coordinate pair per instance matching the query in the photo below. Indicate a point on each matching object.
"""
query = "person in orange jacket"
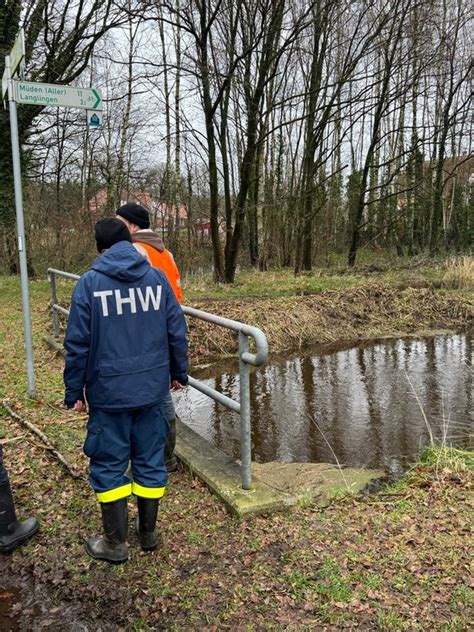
(146, 241)
(152, 247)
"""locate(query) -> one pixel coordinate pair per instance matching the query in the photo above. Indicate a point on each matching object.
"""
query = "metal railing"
(246, 359)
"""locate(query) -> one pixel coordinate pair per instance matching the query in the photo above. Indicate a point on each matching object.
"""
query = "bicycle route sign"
(33, 93)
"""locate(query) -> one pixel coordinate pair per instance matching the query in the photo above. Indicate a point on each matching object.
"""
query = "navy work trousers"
(167, 406)
(116, 438)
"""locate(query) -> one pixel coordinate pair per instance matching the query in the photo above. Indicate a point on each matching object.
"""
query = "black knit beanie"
(110, 231)
(135, 213)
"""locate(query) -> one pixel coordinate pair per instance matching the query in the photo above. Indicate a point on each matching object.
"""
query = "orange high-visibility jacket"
(165, 262)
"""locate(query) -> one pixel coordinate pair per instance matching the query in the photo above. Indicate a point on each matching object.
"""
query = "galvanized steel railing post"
(246, 439)
(54, 301)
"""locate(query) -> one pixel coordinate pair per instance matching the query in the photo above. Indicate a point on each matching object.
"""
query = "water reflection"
(371, 406)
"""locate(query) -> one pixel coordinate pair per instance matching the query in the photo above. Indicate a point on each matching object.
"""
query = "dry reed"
(460, 273)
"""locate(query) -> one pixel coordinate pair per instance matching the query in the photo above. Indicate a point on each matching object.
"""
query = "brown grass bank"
(347, 315)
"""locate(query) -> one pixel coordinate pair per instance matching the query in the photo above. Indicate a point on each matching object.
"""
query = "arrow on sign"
(98, 97)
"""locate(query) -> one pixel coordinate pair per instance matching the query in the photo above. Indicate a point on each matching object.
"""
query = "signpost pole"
(45, 94)
(20, 225)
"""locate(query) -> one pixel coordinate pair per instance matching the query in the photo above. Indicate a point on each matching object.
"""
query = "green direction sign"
(4, 83)
(29, 93)
(17, 53)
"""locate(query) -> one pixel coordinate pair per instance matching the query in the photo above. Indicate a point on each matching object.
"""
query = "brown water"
(371, 406)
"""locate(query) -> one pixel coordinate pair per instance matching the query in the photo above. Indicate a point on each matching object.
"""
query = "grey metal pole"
(246, 441)
(20, 227)
(54, 300)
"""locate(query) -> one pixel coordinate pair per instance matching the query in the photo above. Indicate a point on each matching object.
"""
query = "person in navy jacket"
(126, 346)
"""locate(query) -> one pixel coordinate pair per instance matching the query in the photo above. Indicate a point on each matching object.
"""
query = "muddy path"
(26, 604)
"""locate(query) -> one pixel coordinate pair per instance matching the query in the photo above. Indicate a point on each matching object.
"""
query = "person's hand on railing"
(177, 386)
(79, 406)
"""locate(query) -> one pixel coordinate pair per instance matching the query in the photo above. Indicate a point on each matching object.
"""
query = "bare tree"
(60, 38)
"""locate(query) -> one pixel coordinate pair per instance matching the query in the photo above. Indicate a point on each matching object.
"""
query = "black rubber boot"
(146, 522)
(12, 531)
(112, 546)
(170, 460)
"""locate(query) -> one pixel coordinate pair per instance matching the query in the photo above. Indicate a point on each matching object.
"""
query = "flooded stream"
(373, 406)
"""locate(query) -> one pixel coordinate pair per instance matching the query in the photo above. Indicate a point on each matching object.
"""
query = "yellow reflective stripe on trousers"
(114, 494)
(147, 492)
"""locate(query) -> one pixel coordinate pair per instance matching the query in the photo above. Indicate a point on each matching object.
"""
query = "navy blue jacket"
(126, 334)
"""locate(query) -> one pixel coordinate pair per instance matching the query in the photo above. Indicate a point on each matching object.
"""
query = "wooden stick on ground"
(47, 445)
(12, 440)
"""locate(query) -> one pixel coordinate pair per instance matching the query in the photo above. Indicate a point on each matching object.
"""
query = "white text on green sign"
(30, 93)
